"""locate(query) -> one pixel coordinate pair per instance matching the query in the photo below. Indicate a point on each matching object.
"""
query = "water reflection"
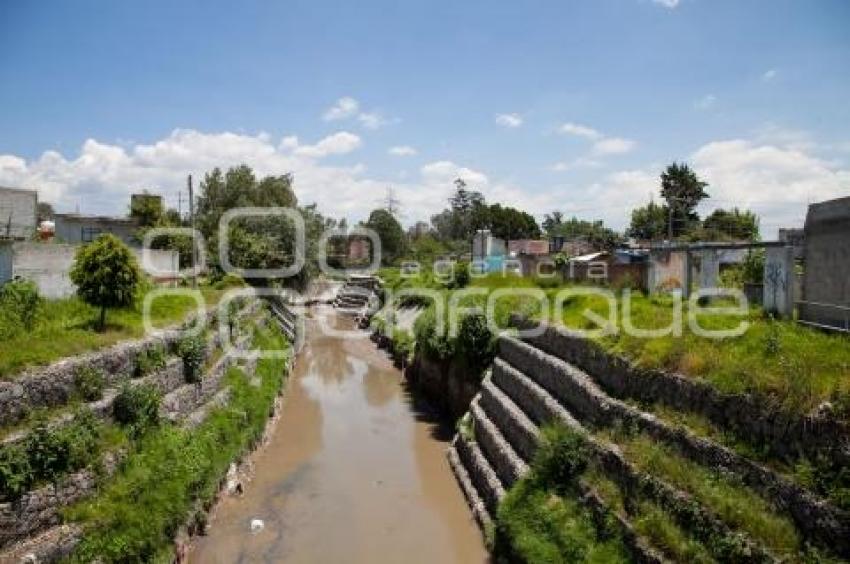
(355, 472)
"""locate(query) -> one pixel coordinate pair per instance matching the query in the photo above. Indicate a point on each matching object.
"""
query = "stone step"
(517, 428)
(501, 455)
(536, 402)
(476, 504)
(484, 478)
(818, 520)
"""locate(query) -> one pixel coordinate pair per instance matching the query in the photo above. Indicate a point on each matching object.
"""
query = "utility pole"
(192, 223)
(180, 205)
(391, 203)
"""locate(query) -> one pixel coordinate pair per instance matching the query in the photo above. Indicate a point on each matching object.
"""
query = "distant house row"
(44, 253)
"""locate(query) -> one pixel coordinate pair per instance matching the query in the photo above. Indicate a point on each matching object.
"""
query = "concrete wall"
(667, 270)
(17, 213)
(827, 264)
(70, 228)
(48, 265)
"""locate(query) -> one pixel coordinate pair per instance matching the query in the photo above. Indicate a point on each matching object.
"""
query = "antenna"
(391, 203)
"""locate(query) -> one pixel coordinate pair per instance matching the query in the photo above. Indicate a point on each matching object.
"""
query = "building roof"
(529, 247)
(588, 258)
(104, 218)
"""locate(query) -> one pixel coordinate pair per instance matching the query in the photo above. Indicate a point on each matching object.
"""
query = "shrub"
(475, 341)
(149, 360)
(461, 278)
(15, 471)
(192, 349)
(563, 455)
(402, 345)
(137, 407)
(106, 274)
(89, 383)
(432, 343)
(229, 281)
(54, 451)
(19, 299)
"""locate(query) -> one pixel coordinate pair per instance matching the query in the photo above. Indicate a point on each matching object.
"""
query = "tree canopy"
(593, 232)
(106, 274)
(649, 222)
(683, 191)
(390, 232)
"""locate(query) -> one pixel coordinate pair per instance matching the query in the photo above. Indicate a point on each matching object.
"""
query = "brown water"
(355, 472)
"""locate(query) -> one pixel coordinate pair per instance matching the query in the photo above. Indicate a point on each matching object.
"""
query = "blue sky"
(571, 105)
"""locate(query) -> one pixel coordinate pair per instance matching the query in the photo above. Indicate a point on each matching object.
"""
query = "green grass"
(541, 519)
(135, 516)
(653, 523)
(791, 367)
(738, 506)
(67, 327)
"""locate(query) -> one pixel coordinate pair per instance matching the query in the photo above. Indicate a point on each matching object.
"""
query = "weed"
(192, 350)
(89, 383)
(137, 407)
(149, 360)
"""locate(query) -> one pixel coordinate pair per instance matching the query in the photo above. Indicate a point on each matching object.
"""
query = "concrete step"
(499, 452)
(536, 402)
(512, 421)
(484, 478)
(476, 504)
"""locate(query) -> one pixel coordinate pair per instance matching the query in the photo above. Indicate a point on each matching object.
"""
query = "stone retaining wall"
(787, 434)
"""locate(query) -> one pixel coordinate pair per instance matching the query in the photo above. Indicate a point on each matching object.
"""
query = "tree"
(649, 222)
(390, 232)
(44, 211)
(732, 224)
(511, 224)
(683, 191)
(594, 232)
(146, 209)
(273, 235)
(552, 221)
(106, 274)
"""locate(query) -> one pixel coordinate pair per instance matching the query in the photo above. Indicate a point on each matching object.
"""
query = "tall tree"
(649, 222)
(511, 224)
(732, 224)
(683, 191)
(552, 220)
(390, 232)
(594, 232)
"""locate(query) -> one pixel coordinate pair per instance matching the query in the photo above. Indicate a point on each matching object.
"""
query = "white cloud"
(338, 143)
(667, 3)
(613, 146)
(509, 120)
(706, 102)
(581, 162)
(580, 131)
(776, 182)
(447, 171)
(344, 108)
(402, 151)
(769, 75)
(348, 108)
(372, 120)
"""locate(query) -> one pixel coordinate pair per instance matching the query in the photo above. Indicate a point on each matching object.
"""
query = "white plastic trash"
(257, 525)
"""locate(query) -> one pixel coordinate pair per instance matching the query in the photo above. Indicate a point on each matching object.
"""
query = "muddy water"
(355, 471)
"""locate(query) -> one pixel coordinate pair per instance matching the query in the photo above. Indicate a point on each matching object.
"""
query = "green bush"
(563, 455)
(403, 345)
(193, 350)
(134, 517)
(54, 451)
(89, 383)
(19, 306)
(137, 407)
(433, 344)
(15, 472)
(150, 360)
(475, 340)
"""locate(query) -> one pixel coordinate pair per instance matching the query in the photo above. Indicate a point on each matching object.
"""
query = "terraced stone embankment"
(528, 387)
(31, 523)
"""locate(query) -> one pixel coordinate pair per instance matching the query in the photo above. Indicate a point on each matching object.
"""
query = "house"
(48, 265)
(76, 229)
(358, 249)
(17, 213)
(623, 267)
(529, 247)
(570, 247)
